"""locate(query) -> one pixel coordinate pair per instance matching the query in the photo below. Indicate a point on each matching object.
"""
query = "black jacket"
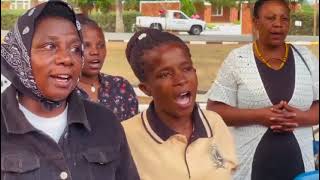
(93, 146)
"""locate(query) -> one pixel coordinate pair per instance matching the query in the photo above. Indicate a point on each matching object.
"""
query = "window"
(218, 11)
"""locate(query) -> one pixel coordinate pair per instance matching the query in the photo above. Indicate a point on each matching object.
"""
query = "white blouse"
(239, 84)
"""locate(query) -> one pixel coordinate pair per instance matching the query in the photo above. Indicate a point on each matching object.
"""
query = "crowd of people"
(62, 118)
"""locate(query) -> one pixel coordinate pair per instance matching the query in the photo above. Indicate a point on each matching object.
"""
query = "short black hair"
(259, 3)
(145, 40)
(86, 21)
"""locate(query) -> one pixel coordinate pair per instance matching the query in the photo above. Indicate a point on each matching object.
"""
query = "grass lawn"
(207, 59)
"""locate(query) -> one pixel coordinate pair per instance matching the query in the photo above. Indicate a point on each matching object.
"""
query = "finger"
(275, 127)
(276, 110)
(289, 125)
(288, 108)
(289, 115)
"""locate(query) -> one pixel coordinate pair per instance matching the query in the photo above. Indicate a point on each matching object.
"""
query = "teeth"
(63, 76)
(183, 94)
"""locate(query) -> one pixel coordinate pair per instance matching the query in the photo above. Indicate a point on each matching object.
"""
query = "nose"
(64, 57)
(277, 22)
(180, 79)
(93, 51)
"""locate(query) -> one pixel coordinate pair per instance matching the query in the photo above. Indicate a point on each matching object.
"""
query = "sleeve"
(224, 88)
(315, 76)
(127, 169)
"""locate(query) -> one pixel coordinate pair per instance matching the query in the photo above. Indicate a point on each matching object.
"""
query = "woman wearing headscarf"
(47, 131)
(268, 91)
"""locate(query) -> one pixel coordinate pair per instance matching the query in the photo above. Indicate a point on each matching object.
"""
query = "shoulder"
(100, 116)
(133, 124)
(213, 118)
(239, 54)
(243, 50)
(118, 80)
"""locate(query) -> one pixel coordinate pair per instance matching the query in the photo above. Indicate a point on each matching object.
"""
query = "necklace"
(283, 60)
(92, 88)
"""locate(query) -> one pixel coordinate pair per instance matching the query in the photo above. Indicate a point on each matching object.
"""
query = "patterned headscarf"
(16, 49)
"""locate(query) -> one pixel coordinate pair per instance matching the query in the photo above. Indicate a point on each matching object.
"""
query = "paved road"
(204, 38)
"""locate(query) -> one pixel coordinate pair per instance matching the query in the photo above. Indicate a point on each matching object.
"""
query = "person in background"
(114, 92)
(268, 91)
(47, 131)
(174, 139)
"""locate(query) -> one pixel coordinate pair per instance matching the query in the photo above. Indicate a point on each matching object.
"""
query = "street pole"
(315, 13)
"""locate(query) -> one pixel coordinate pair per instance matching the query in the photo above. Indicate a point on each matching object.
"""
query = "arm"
(264, 116)
(303, 118)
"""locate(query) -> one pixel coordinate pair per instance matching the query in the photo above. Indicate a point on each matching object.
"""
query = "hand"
(291, 114)
(274, 117)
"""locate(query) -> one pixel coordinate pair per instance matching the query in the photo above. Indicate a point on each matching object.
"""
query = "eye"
(271, 18)
(285, 19)
(86, 44)
(76, 49)
(49, 46)
(164, 75)
(101, 45)
(188, 69)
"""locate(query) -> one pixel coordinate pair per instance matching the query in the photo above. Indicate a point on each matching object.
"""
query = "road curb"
(307, 43)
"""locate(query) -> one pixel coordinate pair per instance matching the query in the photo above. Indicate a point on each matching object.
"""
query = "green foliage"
(187, 7)
(132, 5)
(105, 5)
(108, 21)
(307, 24)
(9, 17)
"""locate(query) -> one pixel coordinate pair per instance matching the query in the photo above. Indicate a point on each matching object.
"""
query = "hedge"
(106, 21)
(307, 24)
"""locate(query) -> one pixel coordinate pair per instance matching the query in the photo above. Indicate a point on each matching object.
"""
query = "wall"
(152, 8)
(246, 20)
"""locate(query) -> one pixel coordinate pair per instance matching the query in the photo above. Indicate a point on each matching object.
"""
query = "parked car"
(172, 20)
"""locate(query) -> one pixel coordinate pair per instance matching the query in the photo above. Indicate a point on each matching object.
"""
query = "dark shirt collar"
(161, 132)
(17, 123)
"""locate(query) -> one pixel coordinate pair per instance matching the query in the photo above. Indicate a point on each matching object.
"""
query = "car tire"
(195, 30)
(156, 26)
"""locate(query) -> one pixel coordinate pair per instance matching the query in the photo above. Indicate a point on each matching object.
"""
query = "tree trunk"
(119, 16)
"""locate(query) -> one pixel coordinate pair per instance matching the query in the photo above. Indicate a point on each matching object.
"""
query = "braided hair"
(146, 40)
(259, 3)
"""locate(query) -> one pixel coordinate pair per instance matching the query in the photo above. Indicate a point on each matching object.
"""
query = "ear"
(145, 88)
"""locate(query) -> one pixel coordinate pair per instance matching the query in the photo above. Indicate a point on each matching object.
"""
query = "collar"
(16, 122)
(161, 133)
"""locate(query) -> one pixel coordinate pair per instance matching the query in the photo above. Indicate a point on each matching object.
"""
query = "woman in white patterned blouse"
(269, 92)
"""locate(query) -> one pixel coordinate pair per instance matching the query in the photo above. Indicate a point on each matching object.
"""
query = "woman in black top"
(43, 61)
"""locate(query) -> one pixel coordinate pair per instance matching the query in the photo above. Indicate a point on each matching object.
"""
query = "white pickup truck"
(172, 20)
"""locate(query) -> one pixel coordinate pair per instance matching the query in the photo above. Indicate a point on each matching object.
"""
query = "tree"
(85, 6)
(119, 16)
(187, 7)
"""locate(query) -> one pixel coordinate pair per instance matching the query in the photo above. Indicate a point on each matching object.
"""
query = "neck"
(269, 48)
(37, 108)
(89, 79)
(180, 124)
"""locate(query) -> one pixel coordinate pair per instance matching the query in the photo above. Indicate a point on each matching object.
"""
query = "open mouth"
(94, 63)
(62, 80)
(184, 98)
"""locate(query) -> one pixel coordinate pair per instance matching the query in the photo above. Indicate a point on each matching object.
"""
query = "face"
(56, 57)
(94, 50)
(273, 23)
(171, 80)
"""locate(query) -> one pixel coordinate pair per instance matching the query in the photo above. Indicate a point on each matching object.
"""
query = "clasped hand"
(282, 117)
